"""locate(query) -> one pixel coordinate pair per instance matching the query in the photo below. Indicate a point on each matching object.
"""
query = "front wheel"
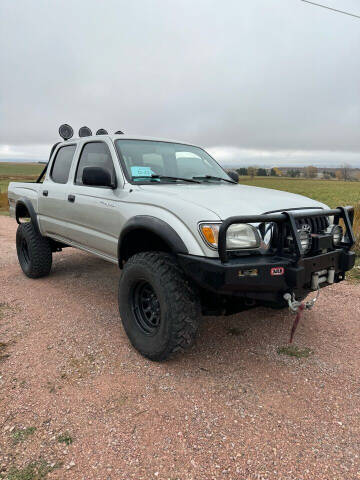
(159, 307)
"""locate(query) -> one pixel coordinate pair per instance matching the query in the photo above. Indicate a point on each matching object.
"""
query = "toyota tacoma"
(188, 237)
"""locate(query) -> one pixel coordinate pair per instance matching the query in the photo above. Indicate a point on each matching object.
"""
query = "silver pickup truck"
(188, 237)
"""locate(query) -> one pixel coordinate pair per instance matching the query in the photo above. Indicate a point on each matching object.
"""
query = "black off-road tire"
(174, 300)
(33, 250)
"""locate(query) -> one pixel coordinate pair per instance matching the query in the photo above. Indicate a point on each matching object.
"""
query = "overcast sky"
(255, 82)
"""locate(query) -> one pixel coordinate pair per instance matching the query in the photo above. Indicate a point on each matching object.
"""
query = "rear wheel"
(159, 307)
(33, 250)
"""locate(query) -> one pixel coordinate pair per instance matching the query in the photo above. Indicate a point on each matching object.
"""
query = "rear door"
(52, 193)
(94, 213)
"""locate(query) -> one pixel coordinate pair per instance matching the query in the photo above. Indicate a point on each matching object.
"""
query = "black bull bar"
(289, 218)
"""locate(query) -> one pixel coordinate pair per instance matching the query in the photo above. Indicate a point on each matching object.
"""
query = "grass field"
(15, 172)
(331, 192)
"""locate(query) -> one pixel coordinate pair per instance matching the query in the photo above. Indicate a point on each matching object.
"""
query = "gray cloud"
(262, 76)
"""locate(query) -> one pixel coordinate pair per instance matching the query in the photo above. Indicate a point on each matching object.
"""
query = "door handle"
(71, 198)
(45, 193)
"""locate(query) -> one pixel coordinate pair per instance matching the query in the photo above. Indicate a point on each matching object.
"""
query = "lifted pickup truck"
(188, 237)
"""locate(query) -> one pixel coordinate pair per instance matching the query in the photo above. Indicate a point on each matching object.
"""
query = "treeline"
(344, 173)
(260, 172)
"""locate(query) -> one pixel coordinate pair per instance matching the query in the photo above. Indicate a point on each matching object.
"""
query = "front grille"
(313, 225)
(317, 224)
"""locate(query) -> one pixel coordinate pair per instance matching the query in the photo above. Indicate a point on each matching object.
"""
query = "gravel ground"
(77, 402)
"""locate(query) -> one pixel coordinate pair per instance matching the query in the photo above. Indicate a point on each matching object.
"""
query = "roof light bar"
(85, 132)
(65, 131)
(101, 131)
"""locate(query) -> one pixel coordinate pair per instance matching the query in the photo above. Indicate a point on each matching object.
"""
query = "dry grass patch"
(4, 205)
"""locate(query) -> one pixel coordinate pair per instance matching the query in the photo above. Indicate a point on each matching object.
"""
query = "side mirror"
(233, 175)
(97, 177)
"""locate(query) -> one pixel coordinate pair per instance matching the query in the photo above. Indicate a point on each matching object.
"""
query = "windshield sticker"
(141, 171)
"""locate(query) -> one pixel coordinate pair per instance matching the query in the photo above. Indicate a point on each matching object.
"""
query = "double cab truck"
(188, 237)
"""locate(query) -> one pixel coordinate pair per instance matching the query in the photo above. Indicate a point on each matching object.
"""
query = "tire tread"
(185, 306)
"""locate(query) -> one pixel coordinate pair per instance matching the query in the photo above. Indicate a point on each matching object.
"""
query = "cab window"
(95, 154)
(62, 163)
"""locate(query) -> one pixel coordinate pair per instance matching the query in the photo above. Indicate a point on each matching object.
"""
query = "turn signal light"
(210, 233)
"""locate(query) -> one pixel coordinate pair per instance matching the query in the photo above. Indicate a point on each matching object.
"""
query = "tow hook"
(298, 307)
(295, 304)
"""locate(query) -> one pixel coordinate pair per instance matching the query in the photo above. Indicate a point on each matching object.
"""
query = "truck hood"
(226, 200)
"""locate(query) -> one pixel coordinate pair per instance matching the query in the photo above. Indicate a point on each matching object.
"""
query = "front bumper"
(266, 277)
(262, 277)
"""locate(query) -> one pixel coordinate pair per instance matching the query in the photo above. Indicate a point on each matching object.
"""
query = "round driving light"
(65, 131)
(85, 132)
(305, 240)
(101, 131)
(337, 234)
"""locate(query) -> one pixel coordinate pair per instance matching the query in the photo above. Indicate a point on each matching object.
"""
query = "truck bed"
(28, 190)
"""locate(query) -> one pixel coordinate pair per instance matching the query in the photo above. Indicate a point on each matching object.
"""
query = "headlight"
(238, 236)
(336, 232)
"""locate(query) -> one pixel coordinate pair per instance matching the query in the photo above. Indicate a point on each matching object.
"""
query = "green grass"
(354, 275)
(8, 169)
(293, 351)
(22, 434)
(15, 172)
(65, 438)
(18, 172)
(331, 192)
(33, 471)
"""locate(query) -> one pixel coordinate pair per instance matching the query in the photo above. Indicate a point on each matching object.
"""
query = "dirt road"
(77, 402)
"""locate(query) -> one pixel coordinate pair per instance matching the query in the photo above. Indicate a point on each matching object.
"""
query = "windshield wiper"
(165, 177)
(210, 177)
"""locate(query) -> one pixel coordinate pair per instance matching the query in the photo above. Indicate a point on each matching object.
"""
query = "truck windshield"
(147, 161)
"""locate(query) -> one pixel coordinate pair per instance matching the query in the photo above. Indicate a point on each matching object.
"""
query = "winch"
(322, 276)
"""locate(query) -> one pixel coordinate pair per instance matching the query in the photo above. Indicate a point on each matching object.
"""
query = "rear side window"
(62, 164)
(95, 154)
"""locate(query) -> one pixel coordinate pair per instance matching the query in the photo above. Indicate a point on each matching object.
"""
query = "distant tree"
(242, 171)
(338, 175)
(345, 172)
(294, 173)
(252, 171)
(262, 172)
(311, 172)
(357, 176)
(275, 172)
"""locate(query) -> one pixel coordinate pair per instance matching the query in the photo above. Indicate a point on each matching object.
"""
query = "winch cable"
(296, 321)
(298, 308)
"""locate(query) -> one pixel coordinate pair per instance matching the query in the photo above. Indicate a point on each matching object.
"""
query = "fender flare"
(156, 226)
(30, 208)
